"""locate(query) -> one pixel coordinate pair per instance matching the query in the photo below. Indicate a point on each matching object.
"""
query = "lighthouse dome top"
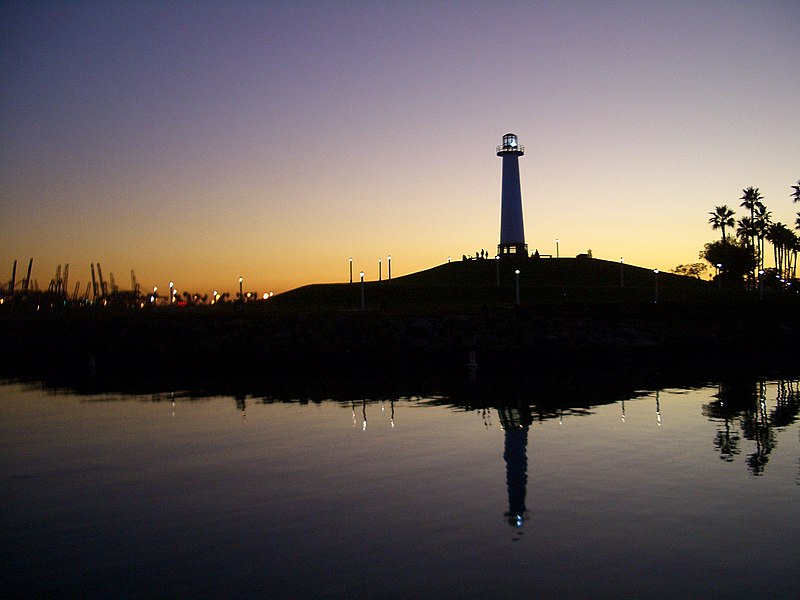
(510, 144)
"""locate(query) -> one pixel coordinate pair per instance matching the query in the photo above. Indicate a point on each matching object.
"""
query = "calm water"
(675, 493)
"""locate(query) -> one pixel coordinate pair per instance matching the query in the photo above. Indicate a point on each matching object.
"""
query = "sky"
(201, 142)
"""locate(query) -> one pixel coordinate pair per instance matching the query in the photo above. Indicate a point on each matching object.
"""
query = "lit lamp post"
(557, 256)
(497, 268)
(719, 276)
(380, 269)
(241, 295)
(362, 290)
(351, 269)
(389, 258)
(171, 292)
(761, 284)
(621, 272)
(517, 274)
(655, 272)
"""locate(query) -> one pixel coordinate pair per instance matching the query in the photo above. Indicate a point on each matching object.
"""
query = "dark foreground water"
(675, 493)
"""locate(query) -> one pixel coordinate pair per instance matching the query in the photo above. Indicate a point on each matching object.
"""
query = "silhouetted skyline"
(203, 143)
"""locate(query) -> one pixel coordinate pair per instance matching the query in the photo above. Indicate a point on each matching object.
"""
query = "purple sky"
(203, 141)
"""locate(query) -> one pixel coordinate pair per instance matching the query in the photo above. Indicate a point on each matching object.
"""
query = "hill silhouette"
(471, 284)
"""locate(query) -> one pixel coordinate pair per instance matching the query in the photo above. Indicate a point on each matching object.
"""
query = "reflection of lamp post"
(497, 268)
(621, 272)
(517, 274)
(655, 272)
(389, 258)
(557, 248)
(351, 269)
(362, 290)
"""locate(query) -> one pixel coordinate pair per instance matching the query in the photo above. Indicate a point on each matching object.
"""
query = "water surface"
(667, 493)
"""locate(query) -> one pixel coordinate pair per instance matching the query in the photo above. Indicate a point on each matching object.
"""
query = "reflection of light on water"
(658, 410)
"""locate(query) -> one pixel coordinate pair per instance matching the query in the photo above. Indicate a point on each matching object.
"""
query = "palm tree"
(795, 195)
(751, 200)
(721, 218)
(783, 242)
(763, 218)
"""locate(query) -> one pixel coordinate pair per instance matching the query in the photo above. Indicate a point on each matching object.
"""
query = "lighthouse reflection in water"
(515, 423)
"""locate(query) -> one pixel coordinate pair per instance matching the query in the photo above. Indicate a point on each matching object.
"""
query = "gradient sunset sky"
(203, 141)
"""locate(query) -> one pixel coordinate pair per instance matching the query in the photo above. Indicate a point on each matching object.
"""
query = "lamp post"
(362, 290)
(448, 259)
(761, 284)
(557, 256)
(241, 295)
(621, 272)
(171, 292)
(655, 272)
(380, 269)
(389, 258)
(497, 268)
(719, 276)
(517, 274)
(351, 269)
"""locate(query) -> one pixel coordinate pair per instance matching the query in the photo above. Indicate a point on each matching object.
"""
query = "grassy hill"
(473, 284)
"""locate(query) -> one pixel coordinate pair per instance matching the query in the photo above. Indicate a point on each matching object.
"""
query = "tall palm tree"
(763, 218)
(795, 195)
(783, 241)
(751, 199)
(721, 218)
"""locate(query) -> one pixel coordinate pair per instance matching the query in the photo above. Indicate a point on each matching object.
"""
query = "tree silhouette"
(795, 195)
(721, 218)
(761, 221)
(735, 256)
(751, 201)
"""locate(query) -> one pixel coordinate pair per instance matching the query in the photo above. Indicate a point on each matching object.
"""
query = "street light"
(380, 269)
(719, 276)
(351, 269)
(761, 284)
(656, 279)
(497, 268)
(557, 248)
(171, 292)
(517, 274)
(390, 266)
(362, 290)
(621, 272)
(241, 296)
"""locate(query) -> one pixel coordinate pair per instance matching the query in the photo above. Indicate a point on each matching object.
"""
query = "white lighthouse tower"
(512, 232)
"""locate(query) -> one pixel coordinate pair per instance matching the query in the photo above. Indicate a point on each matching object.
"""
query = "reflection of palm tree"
(727, 442)
(721, 218)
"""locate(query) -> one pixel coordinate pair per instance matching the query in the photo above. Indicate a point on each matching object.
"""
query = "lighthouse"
(512, 232)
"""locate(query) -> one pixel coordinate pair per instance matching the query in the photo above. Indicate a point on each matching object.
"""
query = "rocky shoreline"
(202, 346)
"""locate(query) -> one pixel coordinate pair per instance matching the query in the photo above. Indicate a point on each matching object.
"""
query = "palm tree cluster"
(744, 255)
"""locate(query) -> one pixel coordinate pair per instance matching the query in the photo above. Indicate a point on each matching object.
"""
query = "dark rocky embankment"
(193, 348)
